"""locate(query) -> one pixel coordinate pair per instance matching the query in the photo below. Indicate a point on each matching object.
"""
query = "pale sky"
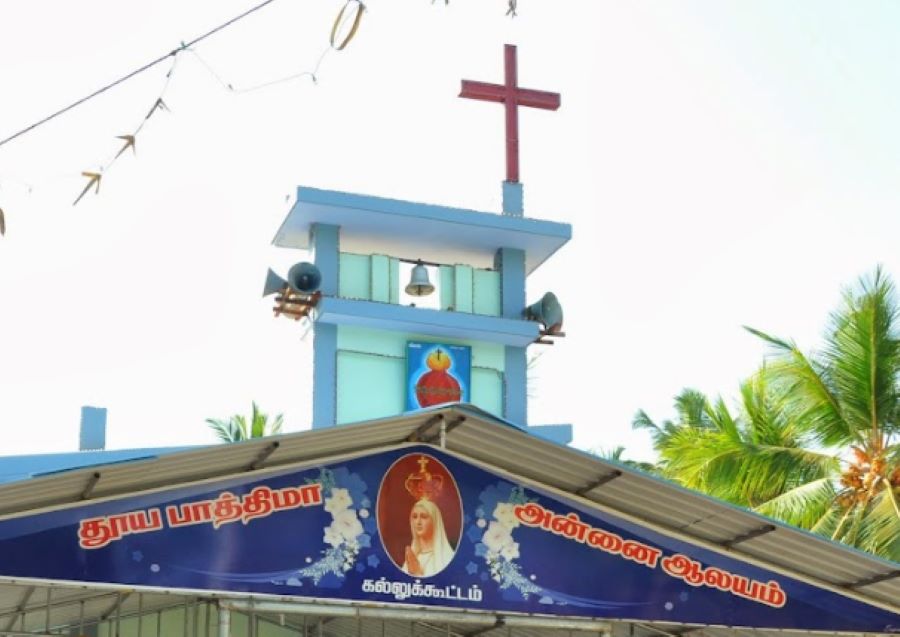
(721, 162)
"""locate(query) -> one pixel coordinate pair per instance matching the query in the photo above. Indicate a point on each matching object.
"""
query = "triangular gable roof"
(470, 433)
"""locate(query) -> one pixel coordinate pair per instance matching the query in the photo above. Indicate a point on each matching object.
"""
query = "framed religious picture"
(437, 373)
(419, 515)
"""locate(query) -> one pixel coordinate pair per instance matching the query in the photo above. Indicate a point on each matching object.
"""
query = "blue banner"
(415, 525)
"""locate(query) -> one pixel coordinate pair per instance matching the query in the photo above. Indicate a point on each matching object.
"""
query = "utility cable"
(138, 71)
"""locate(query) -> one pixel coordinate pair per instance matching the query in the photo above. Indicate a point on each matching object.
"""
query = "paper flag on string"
(93, 179)
(159, 105)
(129, 142)
(2, 223)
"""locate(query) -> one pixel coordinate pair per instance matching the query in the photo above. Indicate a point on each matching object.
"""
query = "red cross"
(511, 96)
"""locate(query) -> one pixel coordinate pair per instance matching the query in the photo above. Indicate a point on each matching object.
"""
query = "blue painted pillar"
(513, 201)
(325, 240)
(511, 264)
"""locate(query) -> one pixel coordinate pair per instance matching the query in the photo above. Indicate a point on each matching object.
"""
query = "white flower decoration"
(496, 537)
(363, 513)
(347, 524)
(510, 551)
(505, 514)
(340, 500)
(333, 536)
(481, 523)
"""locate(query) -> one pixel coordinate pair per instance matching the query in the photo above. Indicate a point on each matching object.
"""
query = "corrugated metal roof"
(14, 468)
(481, 438)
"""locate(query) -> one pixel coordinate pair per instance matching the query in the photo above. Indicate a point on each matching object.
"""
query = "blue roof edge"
(18, 468)
(311, 195)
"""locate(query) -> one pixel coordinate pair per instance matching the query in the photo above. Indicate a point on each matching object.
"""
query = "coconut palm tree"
(236, 428)
(816, 442)
(746, 458)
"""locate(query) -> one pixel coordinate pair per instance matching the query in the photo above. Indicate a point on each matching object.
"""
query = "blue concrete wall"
(371, 368)
(366, 277)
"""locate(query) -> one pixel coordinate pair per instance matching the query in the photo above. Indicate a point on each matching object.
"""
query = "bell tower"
(420, 304)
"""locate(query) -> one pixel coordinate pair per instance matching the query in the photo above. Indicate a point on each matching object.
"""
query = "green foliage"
(615, 455)
(815, 439)
(237, 428)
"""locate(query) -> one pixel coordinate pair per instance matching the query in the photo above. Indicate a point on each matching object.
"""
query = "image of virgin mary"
(429, 551)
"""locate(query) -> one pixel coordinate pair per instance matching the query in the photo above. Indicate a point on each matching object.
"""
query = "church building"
(421, 502)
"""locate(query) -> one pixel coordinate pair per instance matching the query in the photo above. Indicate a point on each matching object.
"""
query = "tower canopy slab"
(371, 225)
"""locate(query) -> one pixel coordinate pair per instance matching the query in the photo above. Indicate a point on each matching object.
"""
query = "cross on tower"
(511, 96)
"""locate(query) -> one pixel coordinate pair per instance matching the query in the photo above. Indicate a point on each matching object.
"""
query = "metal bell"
(419, 285)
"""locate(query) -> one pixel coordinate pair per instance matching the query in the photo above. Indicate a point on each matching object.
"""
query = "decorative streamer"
(129, 143)
(138, 71)
(26, 185)
(338, 21)
(343, 17)
(351, 13)
(130, 139)
(93, 180)
(160, 105)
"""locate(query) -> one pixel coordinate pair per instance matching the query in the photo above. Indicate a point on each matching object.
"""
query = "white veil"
(442, 550)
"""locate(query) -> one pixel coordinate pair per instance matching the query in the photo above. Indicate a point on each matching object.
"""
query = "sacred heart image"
(437, 374)
(419, 515)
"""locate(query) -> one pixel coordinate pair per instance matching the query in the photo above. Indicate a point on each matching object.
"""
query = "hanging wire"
(135, 72)
(343, 18)
(228, 86)
(351, 12)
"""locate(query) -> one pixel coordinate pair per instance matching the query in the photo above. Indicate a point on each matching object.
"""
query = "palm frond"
(692, 407)
(826, 525)
(614, 454)
(240, 428)
(777, 343)
(225, 430)
(237, 428)
(642, 420)
(863, 354)
(276, 425)
(257, 421)
(879, 530)
(659, 434)
(808, 400)
(722, 419)
(804, 506)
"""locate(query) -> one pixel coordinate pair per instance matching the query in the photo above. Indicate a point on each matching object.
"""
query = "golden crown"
(423, 485)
